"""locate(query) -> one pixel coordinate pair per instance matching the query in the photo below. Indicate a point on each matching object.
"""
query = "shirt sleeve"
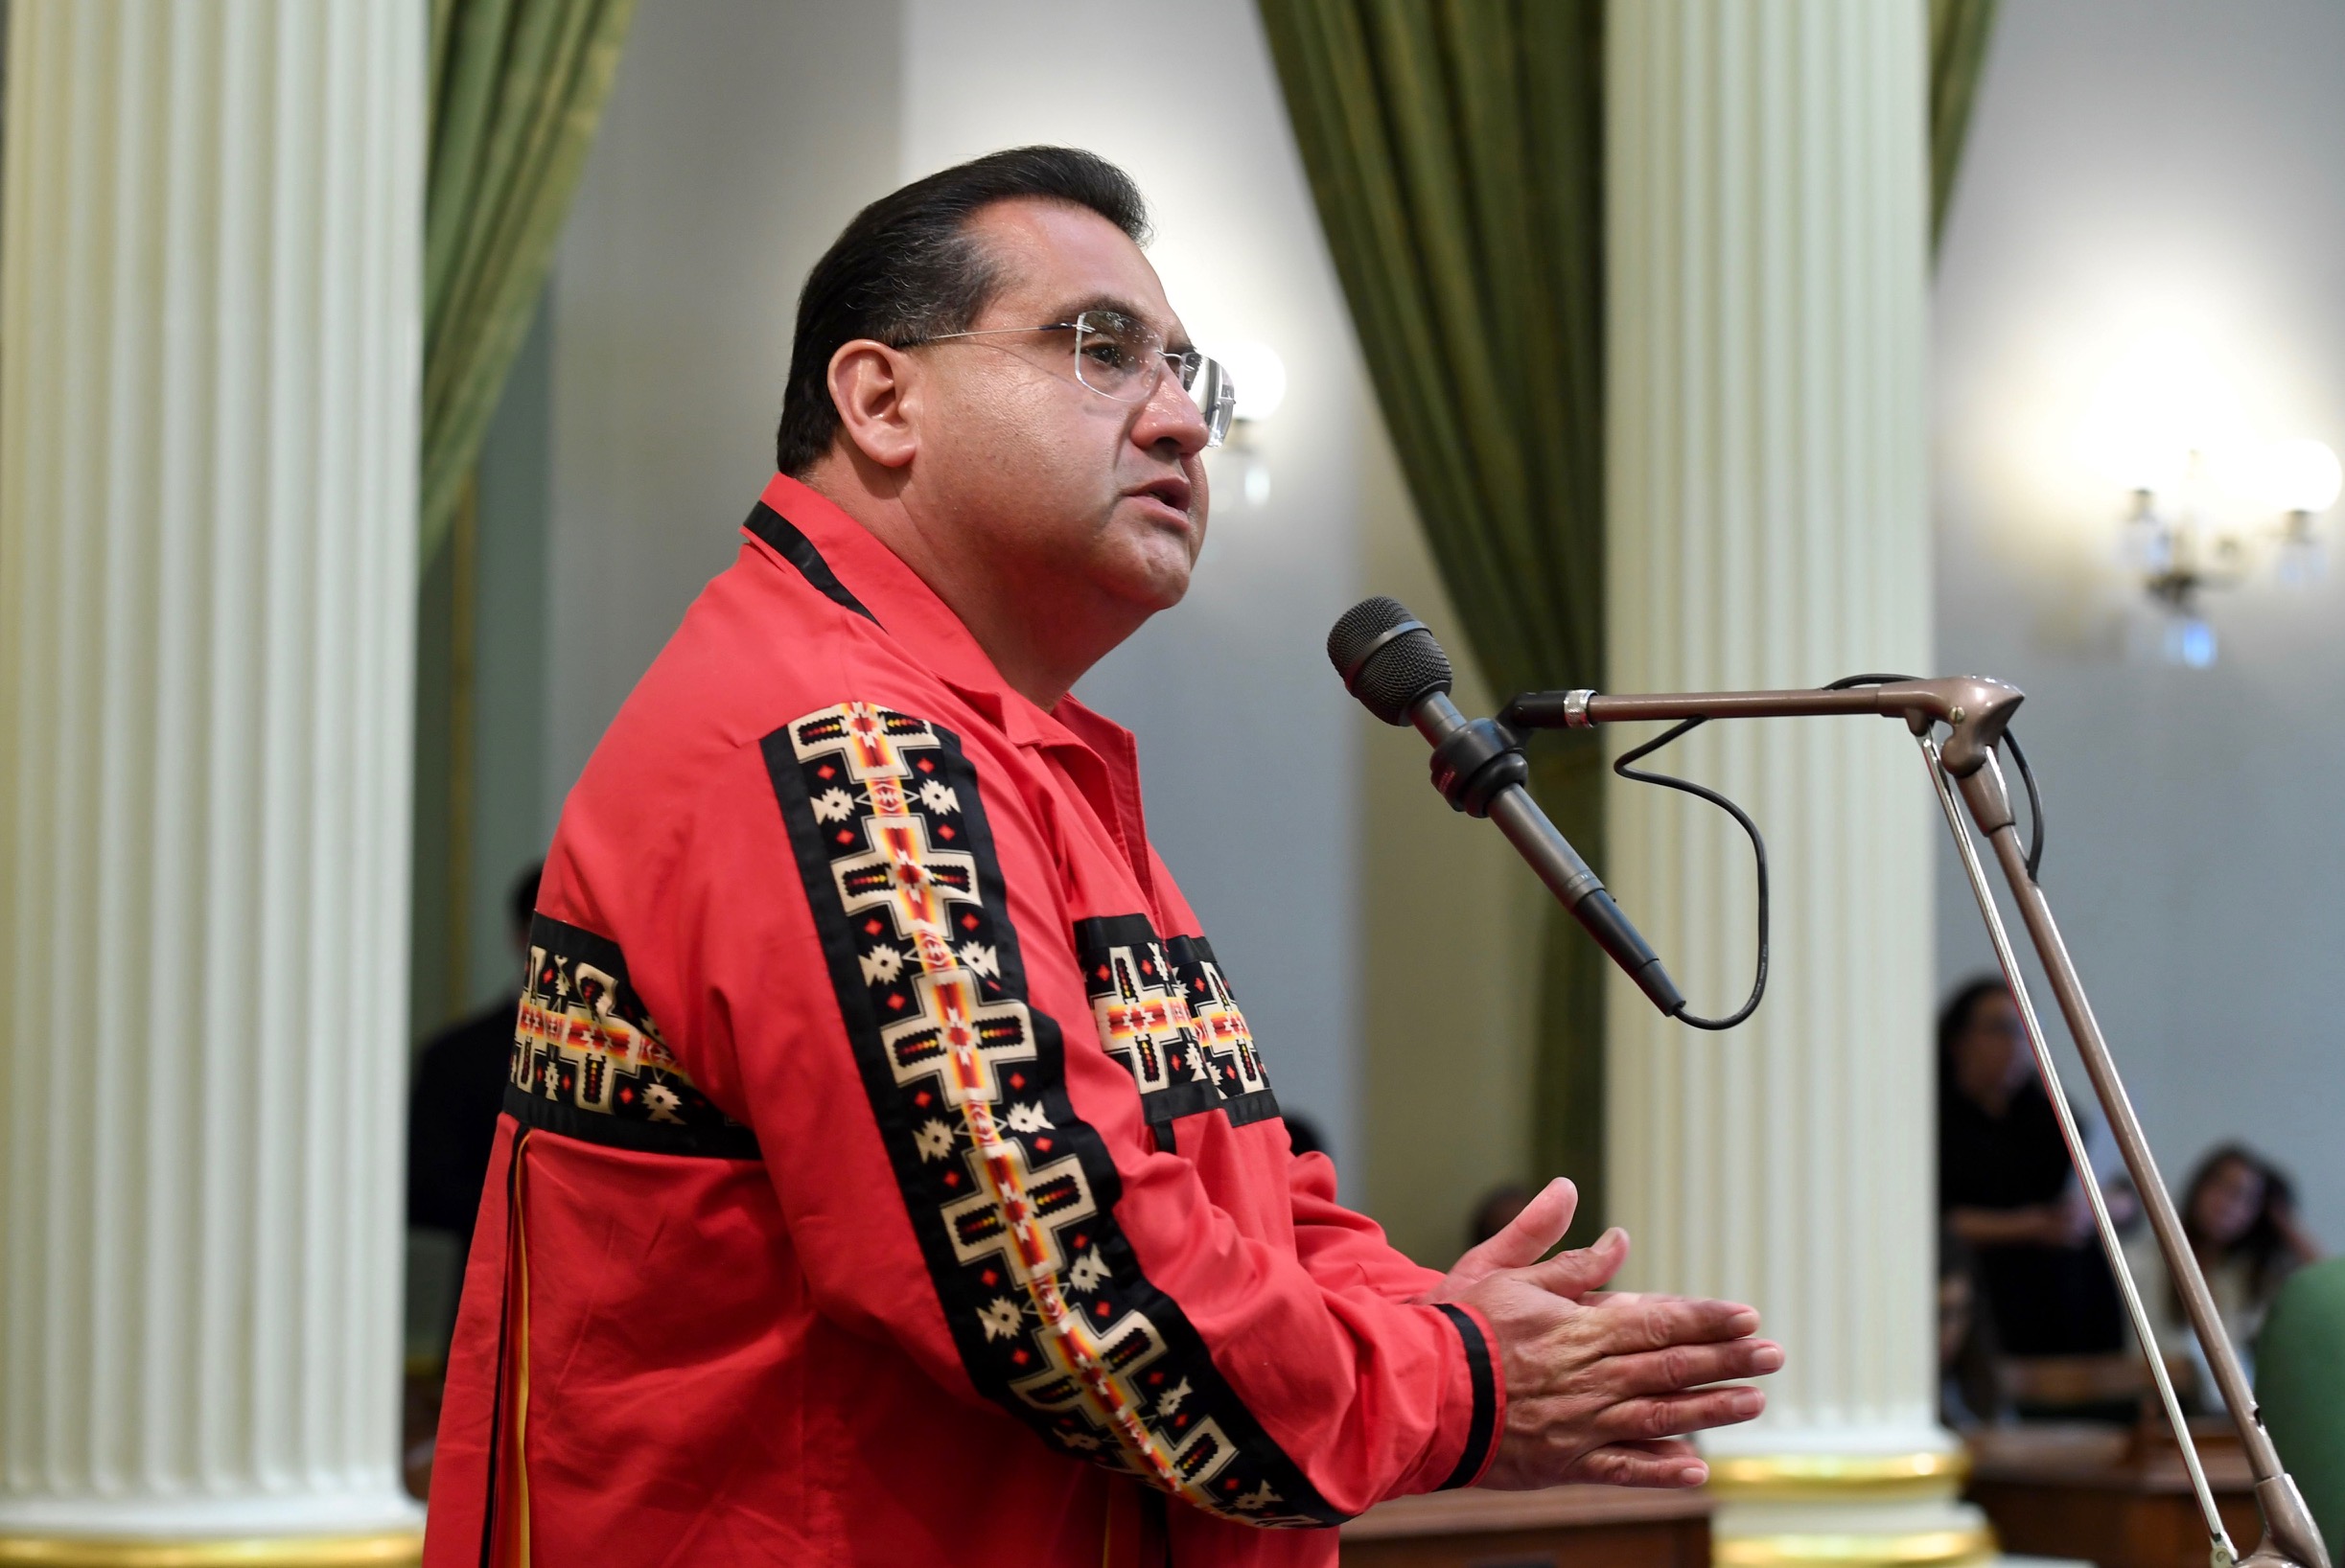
(968, 1173)
(1345, 1250)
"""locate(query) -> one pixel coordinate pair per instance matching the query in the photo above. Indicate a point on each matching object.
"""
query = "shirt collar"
(909, 610)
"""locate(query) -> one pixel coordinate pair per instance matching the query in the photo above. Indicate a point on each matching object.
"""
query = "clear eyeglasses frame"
(1124, 361)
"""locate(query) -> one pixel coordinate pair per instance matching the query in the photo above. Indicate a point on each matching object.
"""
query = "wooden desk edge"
(1470, 1510)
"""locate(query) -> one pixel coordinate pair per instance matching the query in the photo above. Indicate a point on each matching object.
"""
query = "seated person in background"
(459, 1090)
(1969, 1383)
(1303, 1135)
(1495, 1212)
(2240, 1214)
(2006, 1186)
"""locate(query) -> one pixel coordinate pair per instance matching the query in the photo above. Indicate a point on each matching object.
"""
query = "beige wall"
(2193, 853)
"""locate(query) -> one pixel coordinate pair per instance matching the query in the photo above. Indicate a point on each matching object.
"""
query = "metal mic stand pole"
(2050, 1072)
(1975, 712)
(2289, 1536)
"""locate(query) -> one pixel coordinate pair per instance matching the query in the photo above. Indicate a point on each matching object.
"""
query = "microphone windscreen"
(1389, 672)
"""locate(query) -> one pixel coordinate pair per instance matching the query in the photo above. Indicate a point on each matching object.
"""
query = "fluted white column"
(209, 326)
(1767, 210)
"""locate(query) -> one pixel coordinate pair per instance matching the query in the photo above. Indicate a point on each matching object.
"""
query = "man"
(891, 1176)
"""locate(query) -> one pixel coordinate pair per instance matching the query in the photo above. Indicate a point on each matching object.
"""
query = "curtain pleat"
(1455, 154)
(517, 88)
(1959, 31)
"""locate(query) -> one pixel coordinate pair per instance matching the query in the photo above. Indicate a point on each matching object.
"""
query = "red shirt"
(888, 1175)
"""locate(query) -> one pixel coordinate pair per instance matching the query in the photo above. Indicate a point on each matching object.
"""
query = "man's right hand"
(1603, 1387)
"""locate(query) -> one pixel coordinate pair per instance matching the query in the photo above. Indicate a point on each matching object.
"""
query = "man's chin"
(1152, 572)
(1157, 592)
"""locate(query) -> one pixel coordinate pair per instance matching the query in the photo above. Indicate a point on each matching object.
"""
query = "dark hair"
(1303, 1135)
(1496, 1211)
(906, 270)
(2265, 1246)
(1955, 1016)
(521, 899)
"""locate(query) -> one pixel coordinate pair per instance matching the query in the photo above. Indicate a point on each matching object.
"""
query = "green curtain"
(1959, 31)
(516, 86)
(1454, 151)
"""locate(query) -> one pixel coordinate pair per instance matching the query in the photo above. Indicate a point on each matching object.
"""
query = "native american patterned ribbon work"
(1165, 1010)
(1011, 1194)
(589, 1062)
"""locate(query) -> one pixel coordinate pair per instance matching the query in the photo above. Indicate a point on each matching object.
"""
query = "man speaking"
(888, 1175)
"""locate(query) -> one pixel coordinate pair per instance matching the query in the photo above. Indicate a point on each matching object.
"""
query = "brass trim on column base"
(1873, 1477)
(395, 1549)
(1966, 1548)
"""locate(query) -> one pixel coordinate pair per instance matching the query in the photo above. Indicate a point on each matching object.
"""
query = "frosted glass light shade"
(2301, 475)
(1261, 377)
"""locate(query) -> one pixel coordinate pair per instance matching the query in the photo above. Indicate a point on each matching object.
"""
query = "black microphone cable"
(1758, 850)
(1759, 842)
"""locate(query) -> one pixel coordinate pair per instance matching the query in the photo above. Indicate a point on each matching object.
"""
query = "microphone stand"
(1975, 712)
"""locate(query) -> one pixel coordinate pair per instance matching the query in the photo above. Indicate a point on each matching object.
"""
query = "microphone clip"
(1476, 761)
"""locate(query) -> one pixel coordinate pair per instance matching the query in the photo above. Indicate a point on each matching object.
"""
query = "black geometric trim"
(589, 1062)
(1163, 1010)
(1231, 1056)
(798, 551)
(728, 1141)
(1481, 1427)
(967, 1087)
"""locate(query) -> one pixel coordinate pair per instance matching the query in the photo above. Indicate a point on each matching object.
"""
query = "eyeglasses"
(1123, 359)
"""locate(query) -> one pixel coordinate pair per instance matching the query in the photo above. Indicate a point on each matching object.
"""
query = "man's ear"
(874, 388)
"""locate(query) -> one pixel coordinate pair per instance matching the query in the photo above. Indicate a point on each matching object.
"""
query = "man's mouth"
(1172, 492)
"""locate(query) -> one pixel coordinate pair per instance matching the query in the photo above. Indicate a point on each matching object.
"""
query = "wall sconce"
(2174, 539)
(2305, 479)
(1260, 379)
(2215, 505)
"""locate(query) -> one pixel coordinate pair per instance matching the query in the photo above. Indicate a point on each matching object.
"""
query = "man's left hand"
(1525, 1240)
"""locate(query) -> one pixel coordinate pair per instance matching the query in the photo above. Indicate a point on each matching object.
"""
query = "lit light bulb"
(2164, 415)
(1260, 376)
(2301, 475)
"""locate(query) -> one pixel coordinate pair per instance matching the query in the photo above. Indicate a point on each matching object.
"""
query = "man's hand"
(1601, 1387)
(1525, 1240)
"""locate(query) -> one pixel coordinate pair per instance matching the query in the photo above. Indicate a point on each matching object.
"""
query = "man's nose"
(1171, 414)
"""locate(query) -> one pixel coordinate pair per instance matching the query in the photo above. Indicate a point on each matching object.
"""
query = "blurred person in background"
(1303, 1135)
(1969, 1380)
(1495, 1212)
(457, 1092)
(2007, 1189)
(459, 1089)
(2240, 1214)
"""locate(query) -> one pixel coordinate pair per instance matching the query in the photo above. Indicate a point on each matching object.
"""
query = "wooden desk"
(2118, 1498)
(1564, 1527)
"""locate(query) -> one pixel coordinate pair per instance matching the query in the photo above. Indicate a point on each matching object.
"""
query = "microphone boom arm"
(1975, 713)
(1474, 765)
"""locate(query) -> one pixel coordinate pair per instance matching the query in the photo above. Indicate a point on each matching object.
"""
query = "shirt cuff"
(1488, 1396)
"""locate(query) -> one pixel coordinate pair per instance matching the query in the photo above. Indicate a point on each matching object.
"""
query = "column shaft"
(210, 297)
(1767, 212)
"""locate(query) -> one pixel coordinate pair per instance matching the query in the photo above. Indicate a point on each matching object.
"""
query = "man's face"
(1100, 504)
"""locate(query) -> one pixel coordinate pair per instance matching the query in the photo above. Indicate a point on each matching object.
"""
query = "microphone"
(1389, 660)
